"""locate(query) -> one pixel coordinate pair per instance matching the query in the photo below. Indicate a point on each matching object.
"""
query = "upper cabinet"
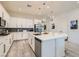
(4, 14)
(36, 21)
(17, 22)
(0, 13)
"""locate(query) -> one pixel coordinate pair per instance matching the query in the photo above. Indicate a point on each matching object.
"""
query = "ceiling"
(38, 8)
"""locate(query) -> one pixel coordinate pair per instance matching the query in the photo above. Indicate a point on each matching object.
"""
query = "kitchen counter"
(7, 40)
(4, 34)
(51, 35)
(51, 44)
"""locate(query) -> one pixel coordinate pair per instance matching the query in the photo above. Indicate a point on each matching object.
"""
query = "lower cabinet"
(49, 48)
(60, 47)
(20, 35)
(31, 41)
(1, 49)
(8, 40)
(44, 48)
(5, 43)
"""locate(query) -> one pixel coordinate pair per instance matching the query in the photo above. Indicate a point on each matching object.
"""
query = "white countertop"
(51, 35)
(15, 35)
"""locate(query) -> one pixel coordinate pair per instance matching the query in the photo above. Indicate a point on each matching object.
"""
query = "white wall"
(62, 23)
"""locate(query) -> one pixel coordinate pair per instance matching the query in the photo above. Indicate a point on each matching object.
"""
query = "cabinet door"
(0, 14)
(29, 41)
(33, 43)
(29, 38)
(6, 45)
(1, 49)
(25, 35)
(60, 47)
(48, 48)
(0, 10)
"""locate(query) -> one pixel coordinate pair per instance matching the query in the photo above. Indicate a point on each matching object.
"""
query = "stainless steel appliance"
(38, 28)
(3, 31)
(2, 22)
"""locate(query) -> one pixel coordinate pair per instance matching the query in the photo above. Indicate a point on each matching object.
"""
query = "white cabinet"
(1, 46)
(5, 45)
(25, 35)
(20, 35)
(60, 47)
(29, 38)
(36, 21)
(0, 13)
(45, 48)
(0, 10)
(1, 49)
(14, 36)
(32, 41)
(17, 22)
(13, 23)
(7, 18)
(4, 15)
(49, 48)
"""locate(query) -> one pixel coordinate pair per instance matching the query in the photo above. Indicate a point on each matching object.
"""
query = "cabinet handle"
(4, 48)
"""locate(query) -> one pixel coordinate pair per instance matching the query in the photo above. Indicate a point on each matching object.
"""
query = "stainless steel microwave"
(2, 22)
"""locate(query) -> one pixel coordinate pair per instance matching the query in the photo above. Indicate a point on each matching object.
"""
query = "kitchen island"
(49, 45)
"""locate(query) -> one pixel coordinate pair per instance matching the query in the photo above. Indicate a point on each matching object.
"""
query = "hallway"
(20, 49)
